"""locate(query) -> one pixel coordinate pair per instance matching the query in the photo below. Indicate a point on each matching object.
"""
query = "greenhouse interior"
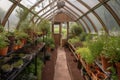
(59, 39)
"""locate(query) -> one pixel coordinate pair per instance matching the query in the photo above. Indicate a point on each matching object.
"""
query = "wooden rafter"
(36, 4)
(111, 11)
(10, 11)
(100, 20)
(94, 27)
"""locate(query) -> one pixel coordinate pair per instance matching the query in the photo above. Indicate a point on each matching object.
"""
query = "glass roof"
(78, 9)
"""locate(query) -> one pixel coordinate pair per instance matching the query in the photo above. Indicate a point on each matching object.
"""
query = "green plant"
(76, 30)
(44, 26)
(21, 35)
(1, 28)
(7, 67)
(113, 73)
(74, 40)
(96, 47)
(49, 41)
(3, 41)
(18, 64)
(112, 49)
(18, 42)
(85, 54)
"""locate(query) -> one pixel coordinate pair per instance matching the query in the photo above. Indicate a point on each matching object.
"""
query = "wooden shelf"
(92, 75)
(13, 74)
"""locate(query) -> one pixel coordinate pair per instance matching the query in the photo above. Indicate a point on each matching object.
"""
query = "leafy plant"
(76, 30)
(6, 67)
(3, 41)
(85, 54)
(44, 26)
(1, 28)
(112, 49)
(96, 47)
(18, 64)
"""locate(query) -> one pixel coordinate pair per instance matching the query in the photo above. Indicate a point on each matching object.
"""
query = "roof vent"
(60, 4)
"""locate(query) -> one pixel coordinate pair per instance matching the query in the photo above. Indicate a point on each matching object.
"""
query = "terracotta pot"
(15, 47)
(21, 45)
(23, 41)
(3, 51)
(118, 69)
(105, 63)
(100, 76)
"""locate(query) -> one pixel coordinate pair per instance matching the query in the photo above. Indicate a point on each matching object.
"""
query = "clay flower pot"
(100, 76)
(105, 63)
(118, 69)
(3, 51)
(15, 47)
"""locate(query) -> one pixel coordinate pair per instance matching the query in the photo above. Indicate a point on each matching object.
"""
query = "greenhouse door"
(57, 34)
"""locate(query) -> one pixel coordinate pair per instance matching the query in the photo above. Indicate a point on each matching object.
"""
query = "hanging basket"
(60, 4)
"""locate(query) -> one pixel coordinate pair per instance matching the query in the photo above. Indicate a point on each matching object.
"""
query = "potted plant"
(3, 45)
(6, 68)
(44, 26)
(76, 30)
(85, 54)
(1, 28)
(22, 36)
(112, 51)
(18, 44)
(18, 64)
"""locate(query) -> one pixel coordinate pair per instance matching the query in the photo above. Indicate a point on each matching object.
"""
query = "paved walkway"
(61, 69)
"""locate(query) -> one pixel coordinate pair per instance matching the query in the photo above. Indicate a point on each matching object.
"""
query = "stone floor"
(61, 68)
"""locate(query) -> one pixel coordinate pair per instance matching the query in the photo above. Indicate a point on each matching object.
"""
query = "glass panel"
(89, 24)
(52, 10)
(74, 9)
(115, 5)
(56, 29)
(13, 20)
(4, 6)
(28, 3)
(64, 30)
(91, 3)
(79, 5)
(84, 26)
(44, 4)
(107, 18)
(71, 12)
(95, 21)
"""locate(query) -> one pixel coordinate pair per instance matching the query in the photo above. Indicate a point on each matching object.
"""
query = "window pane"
(84, 26)
(13, 20)
(79, 5)
(28, 3)
(95, 21)
(115, 5)
(4, 6)
(91, 3)
(107, 18)
(89, 24)
(74, 9)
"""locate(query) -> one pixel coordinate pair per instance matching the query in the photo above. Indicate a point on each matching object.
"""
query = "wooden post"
(67, 30)
(52, 28)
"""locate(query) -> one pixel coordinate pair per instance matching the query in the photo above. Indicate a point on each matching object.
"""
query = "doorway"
(60, 33)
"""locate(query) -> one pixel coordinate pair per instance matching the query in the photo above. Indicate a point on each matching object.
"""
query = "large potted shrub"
(44, 26)
(76, 30)
(3, 45)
